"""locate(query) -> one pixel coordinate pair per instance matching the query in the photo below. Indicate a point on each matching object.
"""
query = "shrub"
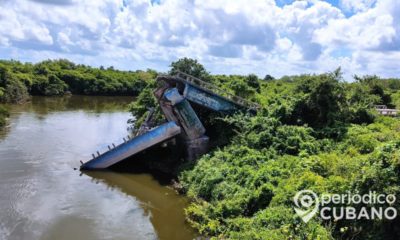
(3, 115)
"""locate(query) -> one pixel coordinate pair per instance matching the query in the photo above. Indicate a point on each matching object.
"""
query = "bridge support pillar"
(195, 148)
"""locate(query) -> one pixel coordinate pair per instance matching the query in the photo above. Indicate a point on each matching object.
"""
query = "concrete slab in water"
(133, 146)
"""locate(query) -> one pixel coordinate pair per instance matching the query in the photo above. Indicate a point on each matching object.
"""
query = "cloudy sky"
(277, 37)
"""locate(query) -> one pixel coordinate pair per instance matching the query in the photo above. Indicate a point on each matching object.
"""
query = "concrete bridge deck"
(174, 100)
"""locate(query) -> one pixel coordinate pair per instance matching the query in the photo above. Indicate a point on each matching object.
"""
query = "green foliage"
(49, 86)
(268, 78)
(57, 77)
(11, 90)
(245, 190)
(253, 81)
(322, 102)
(144, 101)
(3, 115)
(376, 87)
(141, 106)
(268, 133)
(241, 88)
(313, 132)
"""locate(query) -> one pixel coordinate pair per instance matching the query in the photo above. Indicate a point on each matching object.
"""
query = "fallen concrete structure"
(175, 95)
(133, 146)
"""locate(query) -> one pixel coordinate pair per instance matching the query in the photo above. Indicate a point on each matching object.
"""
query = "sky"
(276, 37)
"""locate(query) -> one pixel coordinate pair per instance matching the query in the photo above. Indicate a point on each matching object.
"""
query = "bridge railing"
(389, 112)
(212, 88)
(384, 110)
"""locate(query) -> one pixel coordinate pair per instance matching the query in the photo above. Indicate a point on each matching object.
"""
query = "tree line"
(18, 81)
(58, 77)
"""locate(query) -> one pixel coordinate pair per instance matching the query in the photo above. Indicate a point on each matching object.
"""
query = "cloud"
(357, 5)
(376, 29)
(227, 51)
(283, 37)
(300, 22)
(20, 28)
(55, 2)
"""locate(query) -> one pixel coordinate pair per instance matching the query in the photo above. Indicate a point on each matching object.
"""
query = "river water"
(43, 197)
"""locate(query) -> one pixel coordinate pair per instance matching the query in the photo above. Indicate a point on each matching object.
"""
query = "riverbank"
(4, 114)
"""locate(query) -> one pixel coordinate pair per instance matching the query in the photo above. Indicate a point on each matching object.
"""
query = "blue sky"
(281, 37)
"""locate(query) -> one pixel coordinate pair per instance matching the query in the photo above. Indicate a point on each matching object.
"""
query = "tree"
(322, 101)
(15, 92)
(191, 67)
(252, 81)
(241, 88)
(268, 78)
(11, 90)
(376, 87)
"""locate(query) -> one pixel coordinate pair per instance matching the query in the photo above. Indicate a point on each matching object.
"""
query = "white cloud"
(299, 21)
(20, 28)
(357, 5)
(242, 35)
(372, 29)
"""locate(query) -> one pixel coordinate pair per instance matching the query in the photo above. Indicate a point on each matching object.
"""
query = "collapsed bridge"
(175, 95)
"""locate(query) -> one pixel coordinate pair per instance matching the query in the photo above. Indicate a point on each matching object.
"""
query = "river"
(43, 197)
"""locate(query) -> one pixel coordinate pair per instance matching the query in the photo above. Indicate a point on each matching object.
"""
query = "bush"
(3, 115)
(322, 102)
(245, 190)
(14, 92)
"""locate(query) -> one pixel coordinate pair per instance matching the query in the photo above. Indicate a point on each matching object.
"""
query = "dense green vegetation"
(58, 77)
(245, 190)
(313, 132)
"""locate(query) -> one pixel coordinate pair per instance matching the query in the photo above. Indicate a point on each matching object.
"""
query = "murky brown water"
(42, 197)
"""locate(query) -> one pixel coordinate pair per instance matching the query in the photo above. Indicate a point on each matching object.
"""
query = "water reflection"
(42, 197)
(98, 104)
(162, 204)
